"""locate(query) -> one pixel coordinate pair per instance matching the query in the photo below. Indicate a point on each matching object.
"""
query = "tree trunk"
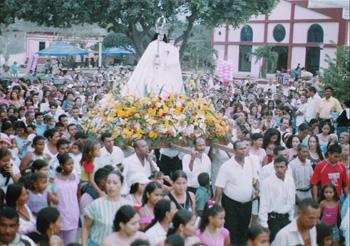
(186, 34)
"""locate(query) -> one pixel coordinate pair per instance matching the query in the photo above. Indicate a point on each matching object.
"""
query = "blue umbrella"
(61, 48)
(117, 51)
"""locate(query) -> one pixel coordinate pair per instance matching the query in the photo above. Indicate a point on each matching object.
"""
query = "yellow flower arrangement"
(177, 118)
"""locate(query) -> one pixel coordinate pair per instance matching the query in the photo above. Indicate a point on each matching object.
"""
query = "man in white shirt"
(196, 163)
(269, 169)
(277, 198)
(302, 171)
(312, 104)
(9, 225)
(110, 155)
(234, 188)
(139, 162)
(284, 126)
(302, 230)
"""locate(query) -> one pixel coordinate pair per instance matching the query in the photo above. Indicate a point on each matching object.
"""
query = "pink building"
(36, 41)
(298, 33)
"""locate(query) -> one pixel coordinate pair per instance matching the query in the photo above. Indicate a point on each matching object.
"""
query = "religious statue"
(158, 71)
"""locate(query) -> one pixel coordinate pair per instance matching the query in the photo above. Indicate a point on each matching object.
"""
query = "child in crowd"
(40, 166)
(203, 193)
(324, 234)
(138, 183)
(258, 236)
(39, 195)
(211, 228)
(75, 153)
(90, 152)
(162, 179)
(330, 209)
(67, 192)
(88, 193)
(152, 194)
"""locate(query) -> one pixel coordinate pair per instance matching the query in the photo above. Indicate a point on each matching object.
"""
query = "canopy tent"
(118, 51)
(61, 48)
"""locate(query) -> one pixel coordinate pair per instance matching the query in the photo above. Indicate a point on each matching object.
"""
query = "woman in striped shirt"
(99, 214)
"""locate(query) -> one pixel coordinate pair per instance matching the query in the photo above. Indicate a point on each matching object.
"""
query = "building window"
(245, 58)
(315, 34)
(279, 33)
(246, 34)
(41, 45)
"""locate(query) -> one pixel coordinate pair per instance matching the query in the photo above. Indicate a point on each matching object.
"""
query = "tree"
(337, 74)
(116, 40)
(268, 57)
(136, 19)
(199, 53)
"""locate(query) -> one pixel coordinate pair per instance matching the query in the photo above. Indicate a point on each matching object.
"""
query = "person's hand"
(8, 169)
(167, 179)
(194, 155)
(150, 156)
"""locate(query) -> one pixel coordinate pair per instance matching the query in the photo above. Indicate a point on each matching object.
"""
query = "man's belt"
(305, 189)
(274, 215)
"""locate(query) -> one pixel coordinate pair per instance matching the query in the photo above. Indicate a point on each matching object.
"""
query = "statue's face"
(160, 37)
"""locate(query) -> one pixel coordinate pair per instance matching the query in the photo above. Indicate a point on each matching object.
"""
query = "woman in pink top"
(152, 194)
(329, 203)
(66, 184)
(211, 228)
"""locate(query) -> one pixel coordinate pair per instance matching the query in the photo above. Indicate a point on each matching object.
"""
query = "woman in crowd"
(292, 144)
(17, 198)
(126, 227)
(325, 135)
(182, 198)
(314, 150)
(152, 194)
(184, 224)
(164, 211)
(52, 136)
(48, 226)
(37, 154)
(98, 220)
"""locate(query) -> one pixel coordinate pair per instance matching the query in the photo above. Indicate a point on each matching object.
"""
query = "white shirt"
(77, 166)
(290, 236)
(301, 118)
(132, 165)
(202, 165)
(277, 196)
(169, 152)
(156, 234)
(107, 158)
(302, 173)
(237, 180)
(3, 179)
(312, 106)
(269, 169)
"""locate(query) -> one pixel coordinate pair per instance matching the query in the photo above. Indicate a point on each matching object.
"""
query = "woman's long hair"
(155, 37)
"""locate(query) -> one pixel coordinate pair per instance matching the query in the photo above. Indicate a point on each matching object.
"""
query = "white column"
(100, 54)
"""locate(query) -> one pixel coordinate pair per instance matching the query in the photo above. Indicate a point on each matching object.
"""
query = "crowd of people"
(283, 180)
